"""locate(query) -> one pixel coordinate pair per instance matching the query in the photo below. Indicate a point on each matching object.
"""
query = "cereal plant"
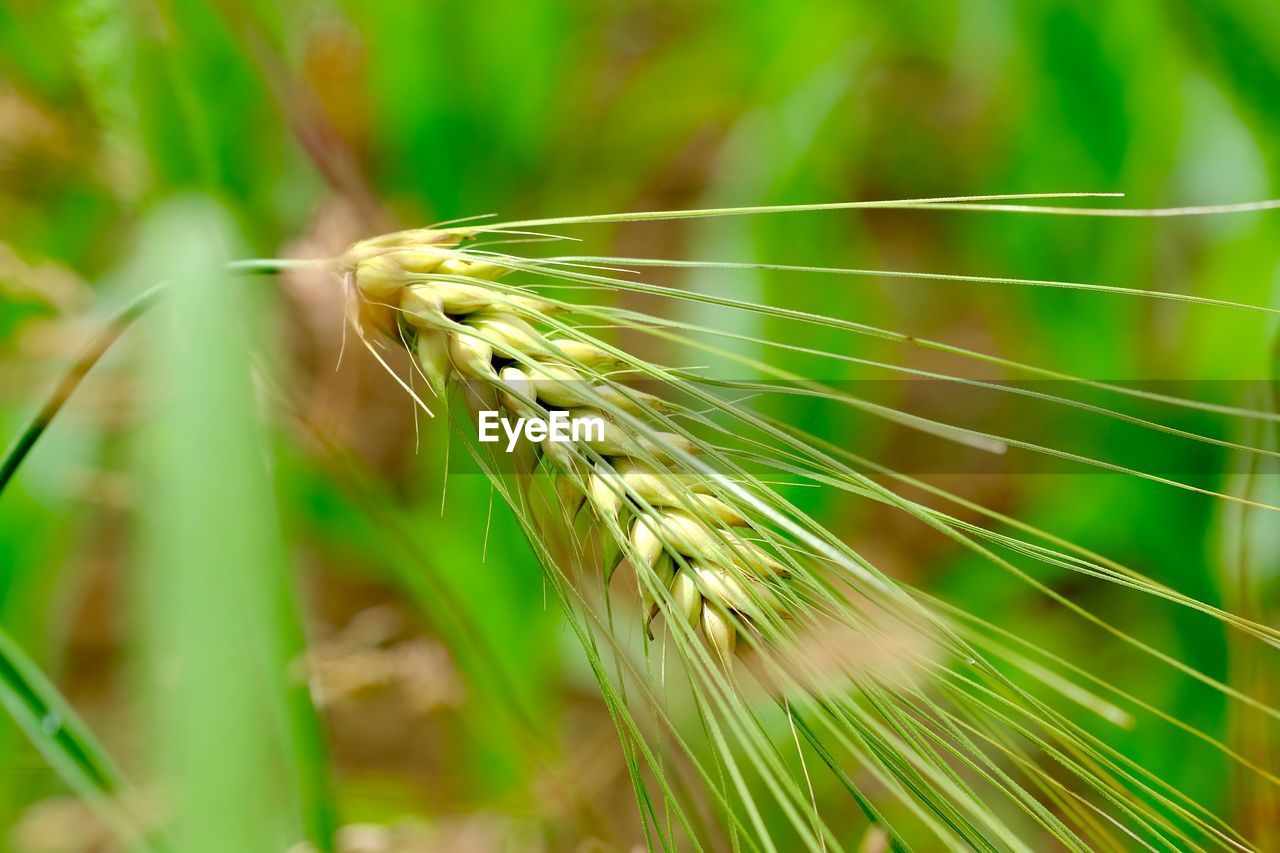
(884, 472)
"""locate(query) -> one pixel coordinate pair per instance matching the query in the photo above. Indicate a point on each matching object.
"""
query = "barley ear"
(645, 504)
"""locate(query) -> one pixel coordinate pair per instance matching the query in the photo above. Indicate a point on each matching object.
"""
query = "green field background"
(148, 141)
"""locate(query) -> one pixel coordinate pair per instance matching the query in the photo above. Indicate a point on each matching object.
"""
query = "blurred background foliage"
(454, 706)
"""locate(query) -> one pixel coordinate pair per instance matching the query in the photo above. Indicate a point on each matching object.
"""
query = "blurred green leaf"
(220, 644)
(62, 737)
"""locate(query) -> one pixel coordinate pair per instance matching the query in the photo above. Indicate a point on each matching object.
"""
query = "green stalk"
(31, 697)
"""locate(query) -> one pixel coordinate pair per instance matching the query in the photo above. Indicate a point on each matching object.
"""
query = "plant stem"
(93, 352)
(80, 367)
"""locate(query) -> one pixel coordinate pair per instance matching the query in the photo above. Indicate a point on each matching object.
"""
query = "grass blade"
(64, 740)
(214, 567)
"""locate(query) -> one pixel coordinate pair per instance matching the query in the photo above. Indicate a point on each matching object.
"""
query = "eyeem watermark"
(559, 427)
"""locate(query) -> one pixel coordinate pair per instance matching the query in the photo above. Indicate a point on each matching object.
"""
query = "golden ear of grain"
(663, 516)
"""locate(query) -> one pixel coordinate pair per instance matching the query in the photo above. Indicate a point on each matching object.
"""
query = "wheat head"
(443, 304)
(739, 567)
